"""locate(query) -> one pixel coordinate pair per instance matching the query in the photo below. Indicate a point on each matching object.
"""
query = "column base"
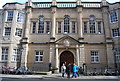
(56, 71)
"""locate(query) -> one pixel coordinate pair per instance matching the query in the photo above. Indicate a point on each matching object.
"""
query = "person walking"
(77, 72)
(63, 70)
(68, 70)
(74, 71)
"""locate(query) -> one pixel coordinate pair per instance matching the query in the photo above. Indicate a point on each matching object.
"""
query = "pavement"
(56, 76)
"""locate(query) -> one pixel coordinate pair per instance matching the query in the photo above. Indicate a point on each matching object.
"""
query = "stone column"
(24, 55)
(80, 28)
(53, 22)
(82, 55)
(77, 55)
(51, 55)
(25, 38)
(110, 56)
(108, 38)
(56, 60)
(27, 22)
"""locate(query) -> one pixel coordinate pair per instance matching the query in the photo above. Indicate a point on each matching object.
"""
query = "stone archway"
(66, 57)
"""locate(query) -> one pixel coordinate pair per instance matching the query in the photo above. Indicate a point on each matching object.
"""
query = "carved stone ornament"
(66, 43)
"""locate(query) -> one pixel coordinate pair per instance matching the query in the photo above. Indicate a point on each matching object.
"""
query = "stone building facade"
(38, 35)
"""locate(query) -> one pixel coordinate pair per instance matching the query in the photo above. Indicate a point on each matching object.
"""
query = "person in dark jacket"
(68, 70)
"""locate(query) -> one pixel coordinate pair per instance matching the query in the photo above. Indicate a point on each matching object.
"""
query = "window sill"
(38, 61)
(95, 62)
(116, 36)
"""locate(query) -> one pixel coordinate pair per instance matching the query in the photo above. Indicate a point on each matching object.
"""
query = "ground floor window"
(16, 55)
(94, 56)
(39, 56)
(118, 56)
(4, 54)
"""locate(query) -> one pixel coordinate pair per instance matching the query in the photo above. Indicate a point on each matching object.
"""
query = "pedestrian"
(77, 72)
(74, 70)
(63, 70)
(68, 70)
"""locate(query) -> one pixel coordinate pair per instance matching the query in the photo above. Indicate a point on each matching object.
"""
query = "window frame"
(41, 25)
(73, 27)
(20, 17)
(40, 54)
(4, 55)
(113, 17)
(59, 26)
(94, 57)
(7, 32)
(18, 32)
(48, 25)
(116, 32)
(66, 24)
(10, 16)
(85, 26)
(16, 55)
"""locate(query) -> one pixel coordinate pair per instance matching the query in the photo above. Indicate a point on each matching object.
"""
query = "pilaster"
(80, 28)
(24, 55)
(56, 60)
(53, 12)
(82, 55)
(77, 55)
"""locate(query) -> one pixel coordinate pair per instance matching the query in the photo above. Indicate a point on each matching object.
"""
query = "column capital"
(53, 10)
(79, 10)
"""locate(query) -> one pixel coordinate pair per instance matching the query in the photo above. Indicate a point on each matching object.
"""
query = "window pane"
(20, 17)
(92, 24)
(10, 16)
(66, 24)
(113, 17)
(59, 27)
(73, 27)
(85, 27)
(18, 32)
(99, 27)
(47, 27)
(7, 31)
(34, 27)
(41, 25)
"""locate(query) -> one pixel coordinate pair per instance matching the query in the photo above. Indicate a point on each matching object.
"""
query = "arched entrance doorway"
(66, 57)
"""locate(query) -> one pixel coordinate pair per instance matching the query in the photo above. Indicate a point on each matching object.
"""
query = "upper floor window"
(116, 32)
(41, 25)
(94, 57)
(73, 27)
(39, 56)
(99, 27)
(85, 27)
(66, 24)
(7, 31)
(117, 55)
(20, 17)
(10, 16)
(16, 55)
(92, 24)
(113, 17)
(18, 32)
(4, 54)
(47, 26)
(33, 27)
(59, 27)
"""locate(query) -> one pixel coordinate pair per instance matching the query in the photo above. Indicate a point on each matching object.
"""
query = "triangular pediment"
(67, 40)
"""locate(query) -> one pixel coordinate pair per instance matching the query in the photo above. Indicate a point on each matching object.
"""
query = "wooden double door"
(66, 57)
